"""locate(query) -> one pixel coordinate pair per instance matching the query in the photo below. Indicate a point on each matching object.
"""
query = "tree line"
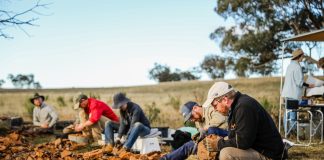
(252, 45)
(22, 81)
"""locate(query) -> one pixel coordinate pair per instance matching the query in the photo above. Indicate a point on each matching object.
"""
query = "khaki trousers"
(231, 153)
(96, 129)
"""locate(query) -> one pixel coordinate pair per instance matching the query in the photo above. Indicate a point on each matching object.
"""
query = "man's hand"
(212, 143)
(311, 86)
(195, 136)
(79, 127)
(44, 125)
(199, 136)
(117, 141)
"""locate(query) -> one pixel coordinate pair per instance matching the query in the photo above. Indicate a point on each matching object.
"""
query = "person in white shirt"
(294, 83)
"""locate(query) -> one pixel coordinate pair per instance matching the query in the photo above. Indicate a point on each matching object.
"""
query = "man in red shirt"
(97, 115)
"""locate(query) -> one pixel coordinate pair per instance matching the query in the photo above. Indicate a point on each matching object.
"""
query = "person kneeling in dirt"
(252, 132)
(133, 123)
(207, 120)
(44, 116)
(94, 115)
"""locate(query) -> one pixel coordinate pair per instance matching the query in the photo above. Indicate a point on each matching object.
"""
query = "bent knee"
(137, 124)
(225, 153)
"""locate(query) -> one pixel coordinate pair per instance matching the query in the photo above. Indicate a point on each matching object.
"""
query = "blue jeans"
(182, 152)
(190, 147)
(138, 130)
(110, 128)
(292, 116)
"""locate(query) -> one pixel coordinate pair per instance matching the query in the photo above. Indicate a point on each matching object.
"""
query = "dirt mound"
(14, 146)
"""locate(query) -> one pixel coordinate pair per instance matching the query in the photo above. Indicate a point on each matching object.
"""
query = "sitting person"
(93, 116)
(44, 116)
(133, 122)
(207, 120)
(252, 132)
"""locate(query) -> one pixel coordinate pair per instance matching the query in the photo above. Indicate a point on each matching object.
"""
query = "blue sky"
(104, 43)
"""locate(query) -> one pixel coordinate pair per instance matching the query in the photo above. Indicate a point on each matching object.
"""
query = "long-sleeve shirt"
(293, 81)
(250, 126)
(212, 118)
(97, 108)
(133, 114)
(44, 114)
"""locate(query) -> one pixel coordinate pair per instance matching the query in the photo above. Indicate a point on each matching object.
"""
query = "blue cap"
(186, 110)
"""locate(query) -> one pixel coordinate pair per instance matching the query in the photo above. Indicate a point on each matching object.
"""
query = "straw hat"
(297, 53)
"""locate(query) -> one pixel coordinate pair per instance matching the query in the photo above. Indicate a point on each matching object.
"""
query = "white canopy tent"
(315, 36)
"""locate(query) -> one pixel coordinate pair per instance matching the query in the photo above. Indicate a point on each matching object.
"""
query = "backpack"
(180, 138)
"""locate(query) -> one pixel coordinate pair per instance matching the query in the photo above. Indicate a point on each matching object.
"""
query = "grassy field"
(166, 97)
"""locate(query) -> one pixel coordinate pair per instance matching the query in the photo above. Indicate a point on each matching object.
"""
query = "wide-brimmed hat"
(36, 95)
(77, 98)
(119, 100)
(217, 90)
(297, 53)
(186, 110)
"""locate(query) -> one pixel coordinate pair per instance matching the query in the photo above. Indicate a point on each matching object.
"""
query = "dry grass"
(12, 102)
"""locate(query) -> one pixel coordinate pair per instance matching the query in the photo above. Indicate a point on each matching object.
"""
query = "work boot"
(107, 148)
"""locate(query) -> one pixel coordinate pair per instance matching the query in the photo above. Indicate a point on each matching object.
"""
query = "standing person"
(207, 120)
(252, 132)
(133, 121)
(44, 116)
(93, 116)
(293, 86)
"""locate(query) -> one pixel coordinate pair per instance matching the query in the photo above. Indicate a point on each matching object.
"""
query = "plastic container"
(164, 131)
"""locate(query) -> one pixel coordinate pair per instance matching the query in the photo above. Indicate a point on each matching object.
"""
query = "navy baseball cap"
(186, 110)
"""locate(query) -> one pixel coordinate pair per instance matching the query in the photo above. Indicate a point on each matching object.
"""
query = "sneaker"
(107, 148)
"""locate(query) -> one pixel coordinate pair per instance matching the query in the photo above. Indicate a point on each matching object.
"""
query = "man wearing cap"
(252, 132)
(44, 116)
(294, 83)
(207, 120)
(133, 122)
(95, 115)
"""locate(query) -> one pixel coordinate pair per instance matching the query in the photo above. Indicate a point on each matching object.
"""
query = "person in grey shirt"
(44, 116)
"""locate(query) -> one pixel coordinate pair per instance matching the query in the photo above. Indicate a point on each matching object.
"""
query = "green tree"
(22, 80)
(2, 82)
(192, 74)
(163, 73)
(259, 26)
(216, 66)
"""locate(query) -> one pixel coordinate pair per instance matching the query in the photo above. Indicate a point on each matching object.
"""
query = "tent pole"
(281, 79)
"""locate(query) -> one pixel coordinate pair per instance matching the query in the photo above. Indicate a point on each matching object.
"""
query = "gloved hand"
(212, 142)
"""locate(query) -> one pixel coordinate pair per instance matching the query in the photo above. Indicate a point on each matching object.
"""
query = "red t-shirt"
(97, 108)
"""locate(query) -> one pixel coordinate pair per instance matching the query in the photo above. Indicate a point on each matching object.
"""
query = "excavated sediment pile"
(14, 146)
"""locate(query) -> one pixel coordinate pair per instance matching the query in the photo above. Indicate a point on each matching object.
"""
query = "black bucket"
(164, 131)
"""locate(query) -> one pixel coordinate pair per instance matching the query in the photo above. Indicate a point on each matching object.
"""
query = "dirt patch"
(15, 146)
